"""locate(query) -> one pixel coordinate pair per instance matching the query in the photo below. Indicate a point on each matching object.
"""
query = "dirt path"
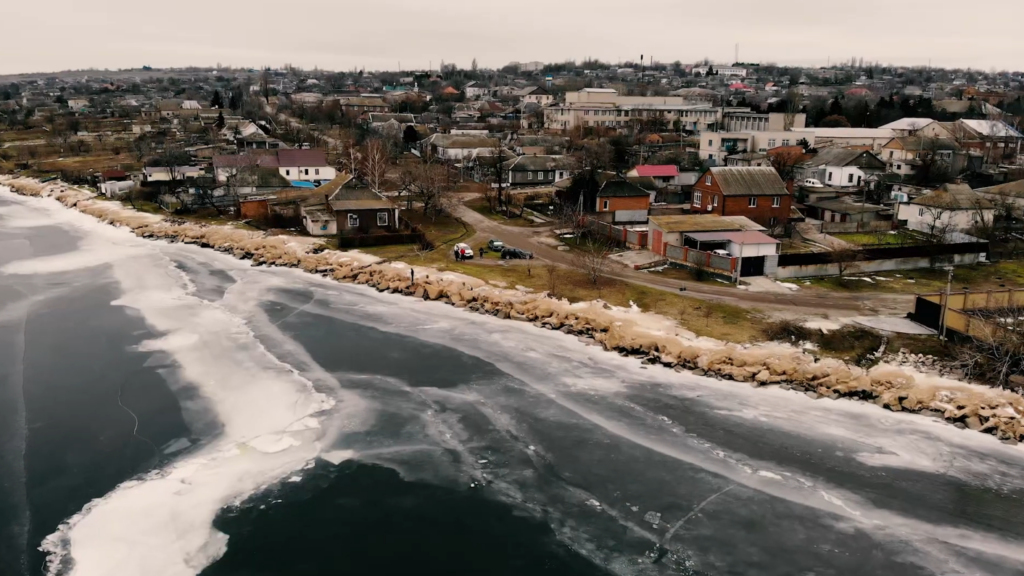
(832, 305)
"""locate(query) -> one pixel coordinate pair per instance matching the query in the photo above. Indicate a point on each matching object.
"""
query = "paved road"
(832, 305)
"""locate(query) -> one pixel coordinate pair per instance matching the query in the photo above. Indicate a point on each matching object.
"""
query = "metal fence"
(618, 235)
(701, 259)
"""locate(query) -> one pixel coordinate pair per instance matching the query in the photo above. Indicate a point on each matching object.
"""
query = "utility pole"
(945, 304)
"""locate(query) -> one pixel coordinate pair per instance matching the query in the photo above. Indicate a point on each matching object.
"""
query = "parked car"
(509, 253)
(495, 245)
(721, 252)
(462, 252)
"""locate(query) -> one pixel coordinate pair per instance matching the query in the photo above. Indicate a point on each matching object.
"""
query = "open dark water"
(289, 425)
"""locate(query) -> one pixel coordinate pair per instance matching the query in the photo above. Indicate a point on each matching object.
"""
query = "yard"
(444, 232)
(894, 238)
(482, 207)
(980, 277)
(721, 321)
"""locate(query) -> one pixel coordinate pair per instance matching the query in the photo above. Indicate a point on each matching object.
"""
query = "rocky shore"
(652, 338)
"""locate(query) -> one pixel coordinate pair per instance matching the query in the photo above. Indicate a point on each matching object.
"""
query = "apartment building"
(605, 107)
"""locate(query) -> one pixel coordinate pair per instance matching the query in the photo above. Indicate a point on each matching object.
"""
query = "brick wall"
(616, 203)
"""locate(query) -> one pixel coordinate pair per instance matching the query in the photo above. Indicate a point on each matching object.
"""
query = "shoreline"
(649, 337)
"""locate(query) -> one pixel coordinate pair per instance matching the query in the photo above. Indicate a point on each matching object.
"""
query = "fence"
(887, 253)
(620, 236)
(964, 313)
(854, 227)
(701, 259)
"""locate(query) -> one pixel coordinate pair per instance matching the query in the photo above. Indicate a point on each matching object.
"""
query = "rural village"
(860, 211)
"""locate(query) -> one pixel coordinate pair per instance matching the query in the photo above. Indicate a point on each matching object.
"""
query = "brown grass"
(979, 277)
(721, 321)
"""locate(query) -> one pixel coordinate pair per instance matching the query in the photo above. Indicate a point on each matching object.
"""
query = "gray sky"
(51, 35)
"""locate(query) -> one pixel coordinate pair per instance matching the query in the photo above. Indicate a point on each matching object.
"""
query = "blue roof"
(301, 184)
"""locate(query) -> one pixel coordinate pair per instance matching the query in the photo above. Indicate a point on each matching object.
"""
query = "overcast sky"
(53, 35)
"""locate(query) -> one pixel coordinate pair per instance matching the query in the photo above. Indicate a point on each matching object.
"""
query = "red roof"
(108, 174)
(658, 170)
(739, 86)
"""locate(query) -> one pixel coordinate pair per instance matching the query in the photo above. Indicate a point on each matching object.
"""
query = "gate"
(753, 266)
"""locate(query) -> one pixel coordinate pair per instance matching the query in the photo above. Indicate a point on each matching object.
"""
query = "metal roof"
(749, 181)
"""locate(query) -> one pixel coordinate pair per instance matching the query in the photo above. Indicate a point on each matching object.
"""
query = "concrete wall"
(870, 266)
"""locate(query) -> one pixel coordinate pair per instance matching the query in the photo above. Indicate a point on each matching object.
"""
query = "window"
(696, 198)
(771, 142)
(287, 172)
(353, 221)
(975, 217)
(711, 142)
(890, 153)
(849, 178)
(776, 201)
(829, 179)
(752, 202)
(899, 166)
(773, 221)
(382, 218)
(529, 175)
(714, 200)
(307, 171)
(604, 205)
(920, 212)
(316, 171)
(707, 180)
(785, 142)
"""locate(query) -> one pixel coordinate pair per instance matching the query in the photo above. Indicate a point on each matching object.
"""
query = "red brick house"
(625, 200)
(754, 192)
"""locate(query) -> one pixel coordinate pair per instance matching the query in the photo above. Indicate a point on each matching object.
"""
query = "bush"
(853, 340)
(786, 331)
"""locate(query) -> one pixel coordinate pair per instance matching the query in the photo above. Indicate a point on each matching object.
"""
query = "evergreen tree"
(220, 120)
(235, 101)
(835, 107)
(217, 101)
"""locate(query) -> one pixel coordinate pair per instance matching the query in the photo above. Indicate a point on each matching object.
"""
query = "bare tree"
(349, 156)
(375, 165)
(995, 353)
(265, 84)
(591, 259)
(792, 103)
(141, 147)
(784, 161)
(845, 257)
(551, 274)
(428, 184)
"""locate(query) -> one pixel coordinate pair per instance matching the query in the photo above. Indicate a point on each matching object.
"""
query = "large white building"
(720, 70)
(604, 107)
(746, 131)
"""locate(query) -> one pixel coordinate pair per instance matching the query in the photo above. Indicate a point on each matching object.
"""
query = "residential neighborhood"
(709, 298)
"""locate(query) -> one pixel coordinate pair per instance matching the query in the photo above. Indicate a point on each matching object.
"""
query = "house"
(911, 127)
(844, 210)
(950, 208)
(625, 200)
(994, 138)
(456, 147)
(539, 144)
(874, 138)
(536, 95)
(663, 174)
(163, 174)
(1009, 193)
(113, 175)
(537, 170)
(361, 212)
(449, 91)
(904, 155)
(841, 167)
(474, 90)
(378, 120)
(756, 193)
(670, 230)
(717, 146)
(756, 159)
(77, 103)
(357, 105)
(293, 165)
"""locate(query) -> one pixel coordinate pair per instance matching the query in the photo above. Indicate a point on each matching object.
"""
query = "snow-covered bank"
(628, 331)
